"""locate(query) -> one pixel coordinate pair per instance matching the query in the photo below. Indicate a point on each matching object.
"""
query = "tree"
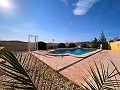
(15, 71)
(84, 45)
(111, 41)
(71, 45)
(61, 45)
(101, 78)
(41, 46)
(102, 38)
(17, 78)
(116, 38)
(95, 43)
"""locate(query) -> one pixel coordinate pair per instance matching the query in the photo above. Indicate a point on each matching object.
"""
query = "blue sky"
(62, 20)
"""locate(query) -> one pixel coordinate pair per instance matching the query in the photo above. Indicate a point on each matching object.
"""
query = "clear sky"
(62, 20)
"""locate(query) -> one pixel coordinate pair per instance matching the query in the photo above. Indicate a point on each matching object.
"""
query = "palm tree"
(15, 72)
(17, 77)
(102, 79)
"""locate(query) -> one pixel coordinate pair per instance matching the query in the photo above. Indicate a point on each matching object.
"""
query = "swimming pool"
(75, 51)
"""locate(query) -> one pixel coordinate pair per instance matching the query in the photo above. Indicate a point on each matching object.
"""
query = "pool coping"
(78, 56)
(88, 54)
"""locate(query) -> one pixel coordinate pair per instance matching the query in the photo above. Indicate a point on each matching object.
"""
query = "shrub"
(95, 43)
(41, 46)
(61, 45)
(87, 46)
(101, 79)
(111, 41)
(84, 45)
(71, 45)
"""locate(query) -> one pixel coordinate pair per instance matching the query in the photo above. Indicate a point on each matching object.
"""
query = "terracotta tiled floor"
(56, 62)
(75, 71)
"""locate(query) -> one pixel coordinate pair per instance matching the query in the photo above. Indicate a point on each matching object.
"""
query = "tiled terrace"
(73, 68)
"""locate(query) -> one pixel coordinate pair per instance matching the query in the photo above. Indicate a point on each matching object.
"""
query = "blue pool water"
(77, 51)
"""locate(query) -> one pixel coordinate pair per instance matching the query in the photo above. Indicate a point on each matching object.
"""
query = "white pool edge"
(78, 56)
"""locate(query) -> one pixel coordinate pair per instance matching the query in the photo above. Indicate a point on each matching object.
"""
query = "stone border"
(88, 54)
(78, 56)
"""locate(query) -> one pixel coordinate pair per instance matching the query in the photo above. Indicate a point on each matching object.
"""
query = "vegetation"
(102, 38)
(20, 78)
(115, 39)
(95, 43)
(102, 79)
(61, 45)
(111, 41)
(84, 45)
(41, 46)
(88, 46)
(71, 45)
(26, 72)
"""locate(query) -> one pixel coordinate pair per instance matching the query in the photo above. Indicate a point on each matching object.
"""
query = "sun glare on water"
(5, 4)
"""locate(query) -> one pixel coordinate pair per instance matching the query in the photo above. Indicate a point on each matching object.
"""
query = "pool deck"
(73, 68)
